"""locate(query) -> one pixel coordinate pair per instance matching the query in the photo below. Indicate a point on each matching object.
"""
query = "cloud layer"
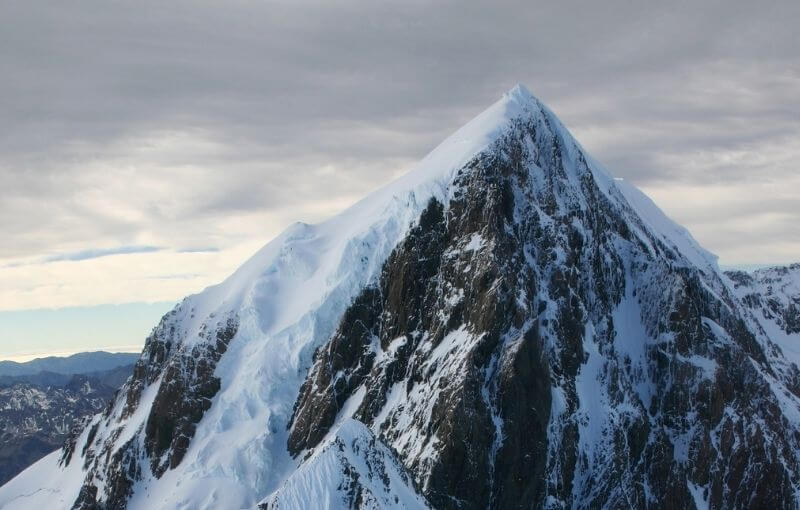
(205, 128)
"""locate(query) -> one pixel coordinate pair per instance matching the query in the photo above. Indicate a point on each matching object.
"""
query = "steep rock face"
(180, 386)
(535, 345)
(505, 327)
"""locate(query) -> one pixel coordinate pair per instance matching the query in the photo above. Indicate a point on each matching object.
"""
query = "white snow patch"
(475, 243)
(700, 501)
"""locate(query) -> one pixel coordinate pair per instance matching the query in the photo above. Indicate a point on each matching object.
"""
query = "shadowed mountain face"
(529, 347)
(39, 411)
(505, 327)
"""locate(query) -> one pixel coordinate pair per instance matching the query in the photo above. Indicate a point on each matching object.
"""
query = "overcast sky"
(147, 148)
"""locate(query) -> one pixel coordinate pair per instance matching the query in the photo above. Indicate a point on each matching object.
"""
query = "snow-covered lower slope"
(350, 469)
(506, 325)
(44, 485)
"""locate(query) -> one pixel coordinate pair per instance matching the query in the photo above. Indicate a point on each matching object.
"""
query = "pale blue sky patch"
(28, 334)
(102, 252)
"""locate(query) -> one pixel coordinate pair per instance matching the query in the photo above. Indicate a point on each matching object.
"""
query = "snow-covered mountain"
(506, 326)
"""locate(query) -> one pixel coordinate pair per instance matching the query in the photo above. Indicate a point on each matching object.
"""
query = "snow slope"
(351, 467)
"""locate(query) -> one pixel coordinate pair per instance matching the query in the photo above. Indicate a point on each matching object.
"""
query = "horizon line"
(30, 356)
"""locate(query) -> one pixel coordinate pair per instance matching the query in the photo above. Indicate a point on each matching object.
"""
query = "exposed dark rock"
(183, 397)
(184, 394)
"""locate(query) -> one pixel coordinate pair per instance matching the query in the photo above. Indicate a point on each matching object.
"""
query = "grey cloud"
(301, 103)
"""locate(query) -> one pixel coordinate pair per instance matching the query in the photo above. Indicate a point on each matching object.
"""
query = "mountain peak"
(521, 94)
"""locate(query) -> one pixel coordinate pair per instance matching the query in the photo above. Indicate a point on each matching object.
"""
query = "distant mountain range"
(41, 401)
(81, 363)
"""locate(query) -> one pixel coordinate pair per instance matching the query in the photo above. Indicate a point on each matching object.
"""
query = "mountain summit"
(506, 326)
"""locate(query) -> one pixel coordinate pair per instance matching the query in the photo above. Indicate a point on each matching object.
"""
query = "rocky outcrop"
(182, 383)
(183, 397)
